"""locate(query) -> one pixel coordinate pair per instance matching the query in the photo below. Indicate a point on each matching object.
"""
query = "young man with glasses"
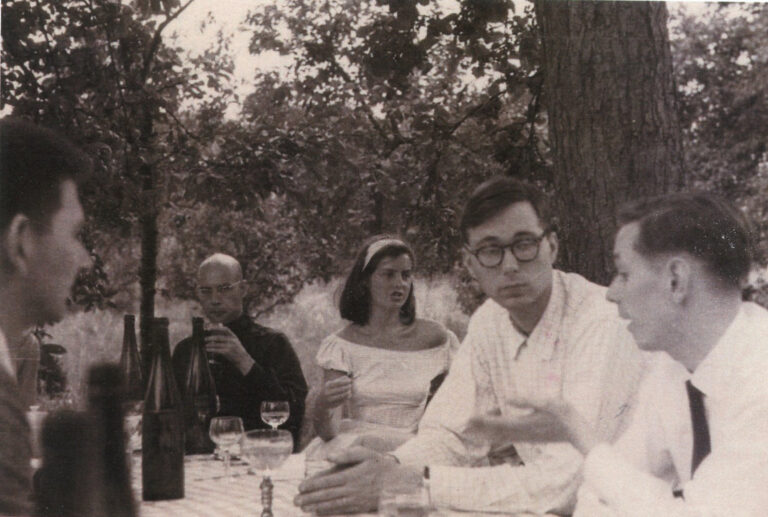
(257, 363)
(541, 330)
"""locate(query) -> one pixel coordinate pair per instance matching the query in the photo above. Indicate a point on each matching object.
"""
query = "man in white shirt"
(40, 255)
(541, 330)
(698, 442)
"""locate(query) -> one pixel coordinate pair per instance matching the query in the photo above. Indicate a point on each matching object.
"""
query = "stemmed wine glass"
(225, 431)
(275, 413)
(267, 449)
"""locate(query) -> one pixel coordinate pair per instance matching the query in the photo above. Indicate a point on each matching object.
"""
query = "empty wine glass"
(266, 449)
(275, 413)
(226, 431)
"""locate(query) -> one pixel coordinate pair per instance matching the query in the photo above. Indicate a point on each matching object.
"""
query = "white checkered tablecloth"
(207, 493)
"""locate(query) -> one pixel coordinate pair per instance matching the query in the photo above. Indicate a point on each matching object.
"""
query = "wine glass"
(225, 431)
(215, 361)
(275, 413)
(266, 449)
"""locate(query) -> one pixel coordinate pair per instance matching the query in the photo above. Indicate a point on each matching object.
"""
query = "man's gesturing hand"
(537, 419)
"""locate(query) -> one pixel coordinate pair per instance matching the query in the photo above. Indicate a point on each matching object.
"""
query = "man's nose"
(508, 261)
(611, 294)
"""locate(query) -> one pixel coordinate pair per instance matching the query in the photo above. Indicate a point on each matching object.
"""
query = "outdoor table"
(207, 493)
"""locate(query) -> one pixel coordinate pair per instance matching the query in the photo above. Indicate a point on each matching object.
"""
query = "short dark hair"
(496, 194)
(355, 301)
(34, 161)
(709, 228)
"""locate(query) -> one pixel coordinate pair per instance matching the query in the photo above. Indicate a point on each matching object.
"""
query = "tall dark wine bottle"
(199, 393)
(162, 441)
(105, 400)
(130, 362)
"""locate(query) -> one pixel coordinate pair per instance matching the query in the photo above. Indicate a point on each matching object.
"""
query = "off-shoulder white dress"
(389, 389)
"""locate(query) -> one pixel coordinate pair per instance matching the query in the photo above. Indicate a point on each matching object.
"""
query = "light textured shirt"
(5, 356)
(637, 475)
(580, 345)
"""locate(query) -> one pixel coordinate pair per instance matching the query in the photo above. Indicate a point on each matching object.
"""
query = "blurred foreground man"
(698, 443)
(256, 363)
(40, 256)
(541, 330)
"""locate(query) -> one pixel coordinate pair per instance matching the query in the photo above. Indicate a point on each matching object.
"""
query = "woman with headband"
(378, 370)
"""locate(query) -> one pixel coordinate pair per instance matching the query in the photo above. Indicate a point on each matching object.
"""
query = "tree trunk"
(613, 126)
(148, 269)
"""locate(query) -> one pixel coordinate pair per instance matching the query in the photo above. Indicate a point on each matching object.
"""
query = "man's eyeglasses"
(222, 289)
(524, 249)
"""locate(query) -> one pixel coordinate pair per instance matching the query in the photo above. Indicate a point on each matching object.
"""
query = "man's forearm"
(541, 487)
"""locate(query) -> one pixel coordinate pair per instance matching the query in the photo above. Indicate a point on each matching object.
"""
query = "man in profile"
(257, 363)
(40, 256)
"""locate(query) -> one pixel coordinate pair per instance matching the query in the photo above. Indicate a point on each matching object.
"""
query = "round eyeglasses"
(205, 291)
(524, 249)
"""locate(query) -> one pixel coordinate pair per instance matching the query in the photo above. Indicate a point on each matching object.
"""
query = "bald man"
(257, 363)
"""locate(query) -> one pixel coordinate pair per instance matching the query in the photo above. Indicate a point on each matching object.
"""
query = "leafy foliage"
(721, 62)
(378, 125)
(391, 112)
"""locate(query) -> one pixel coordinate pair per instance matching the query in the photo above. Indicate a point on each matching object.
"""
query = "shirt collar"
(5, 355)
(726, 358)
(544, 337)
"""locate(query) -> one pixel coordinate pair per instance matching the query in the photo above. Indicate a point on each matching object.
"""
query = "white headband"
(374, 248)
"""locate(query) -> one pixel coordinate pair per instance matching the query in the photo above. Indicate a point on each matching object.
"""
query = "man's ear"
(243, 287)
(18, 244)
(554, 244)
(678, 275)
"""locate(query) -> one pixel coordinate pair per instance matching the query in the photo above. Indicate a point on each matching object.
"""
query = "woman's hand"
(334, 392)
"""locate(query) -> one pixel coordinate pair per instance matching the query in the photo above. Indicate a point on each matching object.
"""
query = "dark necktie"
(701, 445)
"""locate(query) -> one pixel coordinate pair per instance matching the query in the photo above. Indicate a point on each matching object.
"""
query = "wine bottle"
(133, 376)
(199, 393)
(105, 399)
(162, 440)
(130, 362)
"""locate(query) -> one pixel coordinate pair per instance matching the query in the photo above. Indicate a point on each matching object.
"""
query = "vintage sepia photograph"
(383, 257)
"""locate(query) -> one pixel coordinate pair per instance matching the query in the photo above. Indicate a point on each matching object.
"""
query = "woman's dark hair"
(707, 227)
(496, 194)
(355, 302)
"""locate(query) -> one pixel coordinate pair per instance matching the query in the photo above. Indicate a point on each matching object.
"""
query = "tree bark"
(610, 97)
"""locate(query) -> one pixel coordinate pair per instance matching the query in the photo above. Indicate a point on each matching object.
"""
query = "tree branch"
(157, 39)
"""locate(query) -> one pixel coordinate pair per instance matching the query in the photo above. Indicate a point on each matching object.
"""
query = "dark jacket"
(15, 450)
(276, 375)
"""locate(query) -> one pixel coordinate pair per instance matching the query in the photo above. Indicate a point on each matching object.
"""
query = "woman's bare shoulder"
(429, 332)
(350, 333)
